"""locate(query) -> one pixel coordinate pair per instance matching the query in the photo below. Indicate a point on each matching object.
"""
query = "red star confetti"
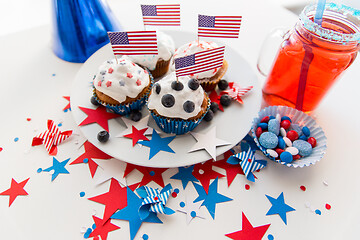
(236, 91)
(115, 199)
(150, 174)
(214, 97)
(90, 152)
(137, 135)
(51, 138)
(204, 173)
(102, 230)
(99, 116)
(67, 107)
(16, 189)
(248, 232)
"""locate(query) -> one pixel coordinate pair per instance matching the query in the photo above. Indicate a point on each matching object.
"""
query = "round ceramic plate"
(231, 125)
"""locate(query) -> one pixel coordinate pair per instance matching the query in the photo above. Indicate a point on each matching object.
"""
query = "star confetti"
(191, 210)
(154, 201)
(115, 199)
(279, 207)
(51, 138)
(157, 144)
(248, 232)
(247, 161)
(99, 116)
(102, 230)
(90, 152)
(211, 198)
(58, 167)
(141, 124)
(111, 168)
(185, 175)
(67, 107)
(204, 173)
(130, 213)
(149, 174)
(214, 97)
(236, 91)
(208, 142)
(137, 135)
(16, 189)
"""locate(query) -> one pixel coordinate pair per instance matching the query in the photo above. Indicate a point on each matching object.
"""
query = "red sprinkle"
(312, 141)
(28, 119)
(174, 194)
(108, 83)
(285, 124)
(265, 119)
(138, 82)
(249, 160)
(99, 84)
(247, 186)
(156, 198)
(110, 70)
(259, 131)
(292, 135)
(328, 206)
(129, 75)
(303, 188)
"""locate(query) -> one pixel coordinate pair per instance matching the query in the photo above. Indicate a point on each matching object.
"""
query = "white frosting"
(186, 94)
(195, 47)
(121, 80)
(166, 48)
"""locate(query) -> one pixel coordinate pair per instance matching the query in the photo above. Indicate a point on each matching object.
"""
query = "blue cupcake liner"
(177, 126)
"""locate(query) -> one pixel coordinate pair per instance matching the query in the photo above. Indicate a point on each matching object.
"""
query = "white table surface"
(54, 210)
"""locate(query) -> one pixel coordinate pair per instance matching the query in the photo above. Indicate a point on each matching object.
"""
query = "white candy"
(283, 132)
(288, 142)
(272, 153)
(278, 117)
(292, 150)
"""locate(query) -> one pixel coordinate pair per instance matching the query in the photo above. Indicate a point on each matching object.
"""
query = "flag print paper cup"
(299, 119)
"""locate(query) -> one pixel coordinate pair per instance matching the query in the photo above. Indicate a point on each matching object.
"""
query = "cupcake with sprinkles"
(208, 79)
(157, 64)
(178, 104)
(122, 86)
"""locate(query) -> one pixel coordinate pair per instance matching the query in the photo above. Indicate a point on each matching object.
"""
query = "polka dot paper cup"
(299, 119)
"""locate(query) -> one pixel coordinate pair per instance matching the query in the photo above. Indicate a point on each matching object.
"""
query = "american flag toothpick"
(219, 26)
(161, 15)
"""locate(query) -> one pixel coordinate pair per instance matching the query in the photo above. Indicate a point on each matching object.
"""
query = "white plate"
(232, 125)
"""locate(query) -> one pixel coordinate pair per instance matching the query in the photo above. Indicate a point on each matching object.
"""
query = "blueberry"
(193, 84)
(209, 116)
(168, 100)
(189, 106)
(177, 86)
(157, 88)
(223, 84)
(135, 115)
(93, 101)
(103, 136)
(225, 100)
(214, 107)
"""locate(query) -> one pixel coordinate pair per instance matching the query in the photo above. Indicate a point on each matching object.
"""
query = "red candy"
(279, 151)
(265, 119)
(259, 131)
(285, 124)
(296, 157)
(292, 135)
(312, 141)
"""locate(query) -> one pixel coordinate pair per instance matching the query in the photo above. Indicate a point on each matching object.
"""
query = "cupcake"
(208, 79)
(122, 86)
(178, 104)
(157, 64)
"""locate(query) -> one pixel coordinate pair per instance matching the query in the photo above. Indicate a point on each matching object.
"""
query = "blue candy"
(306, 131)
(268, 140)
(304, 147)
(271, 117)
(286, 157)
(286, 118)
(281, 142)
(274, 126)
(264, 126)
(303, 137)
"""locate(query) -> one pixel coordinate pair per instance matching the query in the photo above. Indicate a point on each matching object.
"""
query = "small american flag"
(161, 15)
(219, 26)
(199, 62)
(134, 43)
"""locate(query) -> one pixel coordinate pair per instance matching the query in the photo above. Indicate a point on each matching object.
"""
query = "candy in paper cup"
(299, 119)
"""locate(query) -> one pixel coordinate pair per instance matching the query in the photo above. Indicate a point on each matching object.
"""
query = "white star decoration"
(143, 123)
(108, 169)
(208, 142)
(191, 210)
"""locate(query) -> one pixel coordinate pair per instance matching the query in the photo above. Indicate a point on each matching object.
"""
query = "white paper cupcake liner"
(302, 119)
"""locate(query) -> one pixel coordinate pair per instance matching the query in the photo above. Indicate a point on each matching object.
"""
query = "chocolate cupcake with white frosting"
(178, 104)
(122, 86)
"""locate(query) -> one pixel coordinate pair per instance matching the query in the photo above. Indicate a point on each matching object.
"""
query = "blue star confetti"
(279, 207)
(131, 214)
(185, 175)
(210, 199)
(58, 167)
(157, 144)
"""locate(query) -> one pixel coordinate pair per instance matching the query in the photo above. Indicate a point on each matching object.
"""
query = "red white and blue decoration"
(219, 26)
(279, 207)
(161, 15)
